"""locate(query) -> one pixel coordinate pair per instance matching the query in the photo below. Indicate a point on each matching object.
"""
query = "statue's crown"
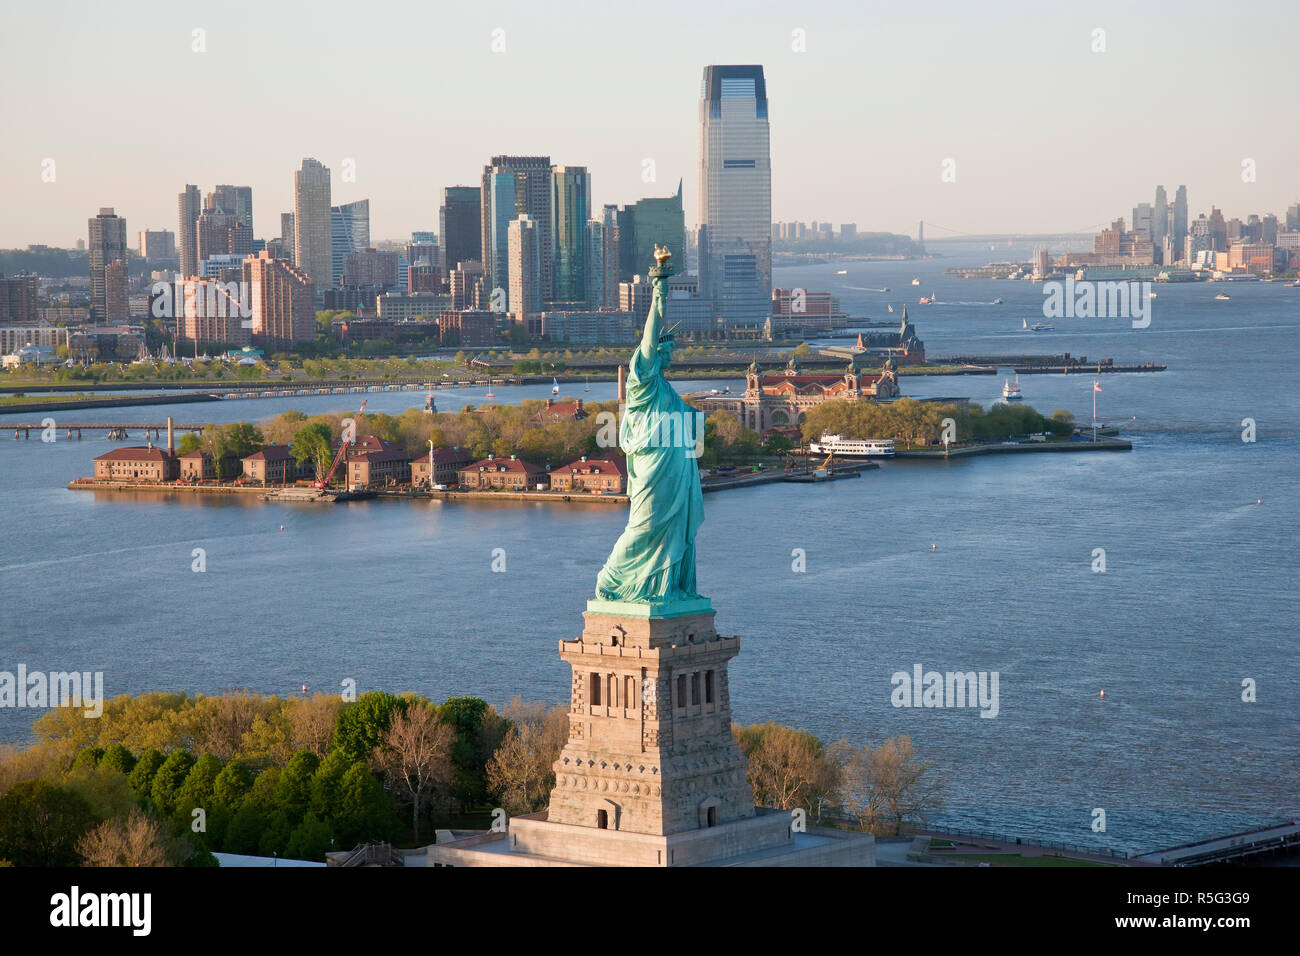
(668, 335)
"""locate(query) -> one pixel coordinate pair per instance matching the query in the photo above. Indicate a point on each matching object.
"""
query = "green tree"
(197, 790)
(188, 442)
(245, 829)
(475, 742)
(88, 757)
(326, 784)
(168, 780)
(244, 438)
(118, 757)
(141, 777)
(777, 444)
(365, 811)
(293, 790)
(310, 840)
(362, 724)
(314, 443)
(232, 784)
(41, 824)
(275, 835)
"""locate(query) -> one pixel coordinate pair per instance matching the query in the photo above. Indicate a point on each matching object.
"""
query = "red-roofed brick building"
(447, 463)
(561, 412)
(142, 463)
(197, 465)
(511, 474)
(273, 465)
(606, 476)
(379, 467)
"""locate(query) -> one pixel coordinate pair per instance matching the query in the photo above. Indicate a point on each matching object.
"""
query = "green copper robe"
(654, 558)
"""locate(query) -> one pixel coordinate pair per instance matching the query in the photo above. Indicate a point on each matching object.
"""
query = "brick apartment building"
(447, 463)
(142, 463)
(273, 465)
(510, 474)
(596, 475)
(375, 462)
(197, 465)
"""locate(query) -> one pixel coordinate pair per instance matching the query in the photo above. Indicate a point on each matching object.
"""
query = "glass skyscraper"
(645, 224)
(349, 232)
(458, 218)
(532, 196)
(570, 205)
(735, 195)
(499, 204)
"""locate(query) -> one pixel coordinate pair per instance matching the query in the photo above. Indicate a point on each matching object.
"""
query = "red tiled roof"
(271, 453)
(572, 410)
(594, 466)
(135, 453)
(514, 465)
(367, 443)
(387, 454)
(445, 456)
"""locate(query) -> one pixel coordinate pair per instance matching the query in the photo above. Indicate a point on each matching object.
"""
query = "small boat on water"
(1151, 295)
(996, 302)
(1011, 390)
(852, 447)
(489, 391)
(932, 300)
(586, 387)
(842, 272)
(429, 405)
(916, 281)
(1222, 297)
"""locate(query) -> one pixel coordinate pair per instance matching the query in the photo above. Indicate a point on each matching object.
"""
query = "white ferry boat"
(852, 447)
(1011, 390)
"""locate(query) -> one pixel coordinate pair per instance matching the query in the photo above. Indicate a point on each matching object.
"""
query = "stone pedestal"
(650, 747)
(651, 775)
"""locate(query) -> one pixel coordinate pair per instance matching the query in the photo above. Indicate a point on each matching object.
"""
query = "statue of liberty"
(653, 561)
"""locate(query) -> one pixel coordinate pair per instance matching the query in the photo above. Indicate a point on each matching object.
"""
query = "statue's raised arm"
(654, 322)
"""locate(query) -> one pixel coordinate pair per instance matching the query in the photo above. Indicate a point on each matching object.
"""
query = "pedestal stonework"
(651, 775)
(650, 747)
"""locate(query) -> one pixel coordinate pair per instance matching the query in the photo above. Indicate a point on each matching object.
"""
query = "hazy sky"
(1046, 135)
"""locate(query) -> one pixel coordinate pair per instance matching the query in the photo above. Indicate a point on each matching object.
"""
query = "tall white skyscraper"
(735, 195)
(312, 236)
(525, 258)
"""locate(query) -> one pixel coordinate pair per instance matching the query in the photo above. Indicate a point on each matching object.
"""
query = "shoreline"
(749, 479)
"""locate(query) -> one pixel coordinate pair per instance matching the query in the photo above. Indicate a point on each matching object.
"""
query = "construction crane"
(343, 452)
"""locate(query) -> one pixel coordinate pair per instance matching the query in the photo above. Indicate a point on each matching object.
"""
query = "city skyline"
(1028, 113)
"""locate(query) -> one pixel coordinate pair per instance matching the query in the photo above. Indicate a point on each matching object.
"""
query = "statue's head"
(666, 345)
